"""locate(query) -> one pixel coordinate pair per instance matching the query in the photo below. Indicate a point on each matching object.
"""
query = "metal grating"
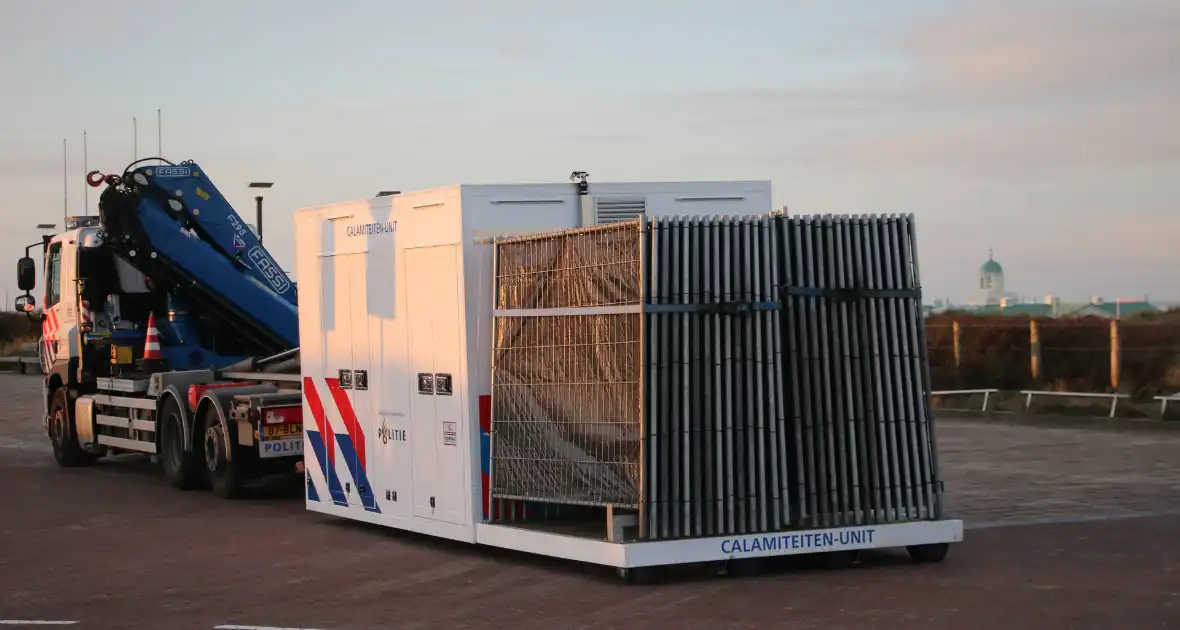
(619, 210)
(565, 392)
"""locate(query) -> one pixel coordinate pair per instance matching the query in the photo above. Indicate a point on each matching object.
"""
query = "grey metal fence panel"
(781, 443)
(918, 328)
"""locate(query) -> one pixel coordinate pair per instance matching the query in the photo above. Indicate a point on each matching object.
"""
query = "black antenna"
(159, 133)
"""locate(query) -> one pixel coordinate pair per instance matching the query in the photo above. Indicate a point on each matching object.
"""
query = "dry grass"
(1075, 354)
(17, 329)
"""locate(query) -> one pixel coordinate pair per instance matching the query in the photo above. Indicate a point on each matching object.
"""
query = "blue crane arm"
(170, 223)
(213, 217)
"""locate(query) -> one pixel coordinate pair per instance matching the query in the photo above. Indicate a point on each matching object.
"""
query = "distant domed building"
(991, 297)
(991, 283)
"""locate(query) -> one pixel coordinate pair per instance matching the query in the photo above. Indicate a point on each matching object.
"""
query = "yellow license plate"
(281, 430)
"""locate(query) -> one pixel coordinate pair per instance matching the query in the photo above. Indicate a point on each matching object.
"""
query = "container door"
(322, 323)
(336, 310)
(391, 457)
(451, 439)
(353, 355)
(357, 409)
(419, 293)
(432, 302)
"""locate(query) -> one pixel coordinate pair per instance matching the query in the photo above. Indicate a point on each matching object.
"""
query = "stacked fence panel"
(717, 454)
(858, 375)
(756, 374)
(566, 366)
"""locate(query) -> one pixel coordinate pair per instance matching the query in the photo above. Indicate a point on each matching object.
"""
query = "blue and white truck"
(167, 267)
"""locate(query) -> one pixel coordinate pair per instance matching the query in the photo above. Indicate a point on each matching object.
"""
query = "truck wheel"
(66, 450)
(224, 478)
(929, 553)
(182, 466)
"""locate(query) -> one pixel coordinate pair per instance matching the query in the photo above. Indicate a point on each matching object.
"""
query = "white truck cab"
(64, 312)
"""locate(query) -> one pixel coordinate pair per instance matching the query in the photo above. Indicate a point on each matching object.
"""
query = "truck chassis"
(205, 430)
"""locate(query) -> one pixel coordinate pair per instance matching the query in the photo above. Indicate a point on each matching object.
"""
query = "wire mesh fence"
(984, 355)
(1074, 356)
(574, 268)
(566, 369)
(1149, 359)
(1141, 358)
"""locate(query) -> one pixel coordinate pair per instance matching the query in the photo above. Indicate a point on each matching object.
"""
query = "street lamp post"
(258, 205)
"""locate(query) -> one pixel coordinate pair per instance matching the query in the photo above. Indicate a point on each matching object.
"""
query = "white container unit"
(395, 313)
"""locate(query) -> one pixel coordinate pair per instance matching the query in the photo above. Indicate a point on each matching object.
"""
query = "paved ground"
(1000, 474)
(113, 547)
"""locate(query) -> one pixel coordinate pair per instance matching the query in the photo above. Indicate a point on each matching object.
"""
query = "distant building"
(991, 289)
(991, 297)
(1118, 309)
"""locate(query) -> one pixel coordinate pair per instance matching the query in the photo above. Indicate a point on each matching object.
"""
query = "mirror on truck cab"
(26, 274)
(25, 303)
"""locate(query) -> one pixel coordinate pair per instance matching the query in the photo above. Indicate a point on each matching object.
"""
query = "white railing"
(987, 393)
(1164, 400)
(1114, 398)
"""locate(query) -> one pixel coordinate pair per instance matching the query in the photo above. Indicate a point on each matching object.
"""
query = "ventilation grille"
(616, 210)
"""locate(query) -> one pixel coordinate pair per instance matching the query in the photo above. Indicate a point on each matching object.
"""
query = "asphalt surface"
(1068, 528)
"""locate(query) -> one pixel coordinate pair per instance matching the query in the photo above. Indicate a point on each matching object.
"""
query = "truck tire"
(182, 465)
(62, 433)
(224, 477)
(933, 552)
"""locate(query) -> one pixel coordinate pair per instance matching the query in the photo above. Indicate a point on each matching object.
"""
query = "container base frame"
(630, 555)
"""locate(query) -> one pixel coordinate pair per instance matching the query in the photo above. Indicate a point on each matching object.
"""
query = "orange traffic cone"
(151, 346)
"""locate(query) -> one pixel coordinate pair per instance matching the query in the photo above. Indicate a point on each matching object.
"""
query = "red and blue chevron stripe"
(485, 455)
(499, 509)
(325, 442)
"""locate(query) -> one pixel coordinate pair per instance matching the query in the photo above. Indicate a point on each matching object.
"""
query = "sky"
(1045, 130)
